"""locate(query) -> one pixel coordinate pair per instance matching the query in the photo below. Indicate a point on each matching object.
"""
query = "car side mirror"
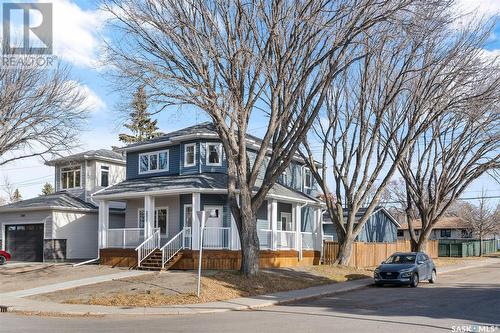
(420, 262)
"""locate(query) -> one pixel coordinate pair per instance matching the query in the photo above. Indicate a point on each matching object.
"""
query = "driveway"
(17, 276)
(460, 298)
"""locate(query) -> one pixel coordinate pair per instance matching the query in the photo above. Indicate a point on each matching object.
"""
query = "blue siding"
(378, 228)
(133, 163)
(307, 219)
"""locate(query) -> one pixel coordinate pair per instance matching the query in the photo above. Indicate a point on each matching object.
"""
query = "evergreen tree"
(47, 189)
(141, 125)
(16, 196)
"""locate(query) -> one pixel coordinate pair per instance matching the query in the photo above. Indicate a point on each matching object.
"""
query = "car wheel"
(414, 280)
(2, 260)
(378, 284)
(433, 278)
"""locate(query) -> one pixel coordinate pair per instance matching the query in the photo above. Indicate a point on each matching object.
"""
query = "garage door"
(24, 241)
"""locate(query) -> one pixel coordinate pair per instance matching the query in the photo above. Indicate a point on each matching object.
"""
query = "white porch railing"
(285, 239)
(147, 247)
(216, 238)
(328, 238)
(307, 240)
(265, 238)
(125, 238)
(172, 247)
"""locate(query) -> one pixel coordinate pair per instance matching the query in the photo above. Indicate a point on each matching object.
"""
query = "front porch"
(168, 225)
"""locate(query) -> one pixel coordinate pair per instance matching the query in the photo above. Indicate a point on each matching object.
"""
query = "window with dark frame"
(445, 233)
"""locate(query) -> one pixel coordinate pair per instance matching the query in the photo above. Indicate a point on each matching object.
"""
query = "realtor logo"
(36, 22)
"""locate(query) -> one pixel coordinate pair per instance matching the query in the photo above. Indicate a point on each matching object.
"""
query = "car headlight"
(406, 274)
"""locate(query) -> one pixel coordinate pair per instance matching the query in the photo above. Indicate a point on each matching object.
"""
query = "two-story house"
(172, 177)
(64, 225)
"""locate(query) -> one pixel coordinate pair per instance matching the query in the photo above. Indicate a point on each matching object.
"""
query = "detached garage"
(55, 227)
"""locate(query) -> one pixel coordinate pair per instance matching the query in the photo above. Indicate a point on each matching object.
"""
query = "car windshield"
(401, 259)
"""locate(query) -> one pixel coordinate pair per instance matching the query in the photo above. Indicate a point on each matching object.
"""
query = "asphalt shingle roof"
(217, 181)
(90, 154)
(56, 200)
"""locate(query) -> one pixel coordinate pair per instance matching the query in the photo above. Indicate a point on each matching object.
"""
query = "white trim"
(100, 175)
(155, 218)
(157, 153)
(207, 153)
(188, 165)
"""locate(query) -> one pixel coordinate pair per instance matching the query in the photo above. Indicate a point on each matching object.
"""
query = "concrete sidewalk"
(16, 303)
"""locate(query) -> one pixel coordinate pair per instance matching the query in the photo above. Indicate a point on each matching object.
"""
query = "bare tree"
(482, 219)
(41, 112)
(413, 71)
(239, 61)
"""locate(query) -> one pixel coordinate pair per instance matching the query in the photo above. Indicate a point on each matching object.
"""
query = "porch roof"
(203, 183)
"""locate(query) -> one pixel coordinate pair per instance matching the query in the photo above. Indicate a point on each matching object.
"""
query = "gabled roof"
(361, 212)
(203, 183)
(58, 200)
(99, 154)
(450, 222)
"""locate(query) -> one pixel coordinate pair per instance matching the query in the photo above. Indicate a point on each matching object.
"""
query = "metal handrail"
(147, 247)
(173, 246)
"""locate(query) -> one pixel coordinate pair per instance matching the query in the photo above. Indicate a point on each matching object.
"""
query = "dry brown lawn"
(216, 286)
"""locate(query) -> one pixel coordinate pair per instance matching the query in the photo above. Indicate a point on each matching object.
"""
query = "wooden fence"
(372, 254)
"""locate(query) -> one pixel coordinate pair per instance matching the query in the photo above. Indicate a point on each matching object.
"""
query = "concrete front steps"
(153, 261)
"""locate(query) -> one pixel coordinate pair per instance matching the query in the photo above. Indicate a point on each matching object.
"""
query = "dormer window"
(307, 178)
(70, 177)
(284, 178)
(190, 155)
(214, 154)
(153, 162)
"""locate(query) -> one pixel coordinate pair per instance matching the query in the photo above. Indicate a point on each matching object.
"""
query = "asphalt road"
(462, 298)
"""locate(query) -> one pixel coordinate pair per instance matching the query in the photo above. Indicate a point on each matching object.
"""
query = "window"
(307, 178)
(466, 233)
(70, 177)
(445, 233)
(188, 216)
(284, 178)
(161, 219)
(104, 176)
(190, 155)
(214, 154)
(153, 162)
(286, 223)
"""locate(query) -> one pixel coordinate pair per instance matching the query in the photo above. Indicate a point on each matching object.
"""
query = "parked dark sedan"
(407, 268)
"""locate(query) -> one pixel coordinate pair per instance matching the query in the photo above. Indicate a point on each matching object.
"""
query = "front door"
(214, 235)
(161, 222)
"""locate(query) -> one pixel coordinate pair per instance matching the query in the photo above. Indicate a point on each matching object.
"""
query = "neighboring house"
(445, 228)
(380, 227)
(63, 225)
(173, 176)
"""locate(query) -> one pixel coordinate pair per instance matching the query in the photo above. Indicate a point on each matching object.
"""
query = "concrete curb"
(15, 303)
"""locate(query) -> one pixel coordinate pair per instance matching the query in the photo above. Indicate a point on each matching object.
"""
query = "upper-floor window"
(153, 162)
(214, 153)
(71, 177)
(445, 233)
(284, 178)
(307, 178)
(190, 155)
(104, 176)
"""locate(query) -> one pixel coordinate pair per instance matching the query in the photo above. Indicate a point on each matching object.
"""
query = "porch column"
(103, 220)
(149, 215)
(195, 232)
(318, 232)
(273, 216)
(297, 217)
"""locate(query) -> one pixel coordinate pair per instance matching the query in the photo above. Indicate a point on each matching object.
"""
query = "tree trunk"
(421, 245)
(345, 251)
(248, 237)
(413, 245)
(480, 245)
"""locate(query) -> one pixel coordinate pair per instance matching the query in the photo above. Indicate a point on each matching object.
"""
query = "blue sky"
(78, 32)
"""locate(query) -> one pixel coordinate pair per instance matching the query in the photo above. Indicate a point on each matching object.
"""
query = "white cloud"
(92, 101)
(487, 8)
